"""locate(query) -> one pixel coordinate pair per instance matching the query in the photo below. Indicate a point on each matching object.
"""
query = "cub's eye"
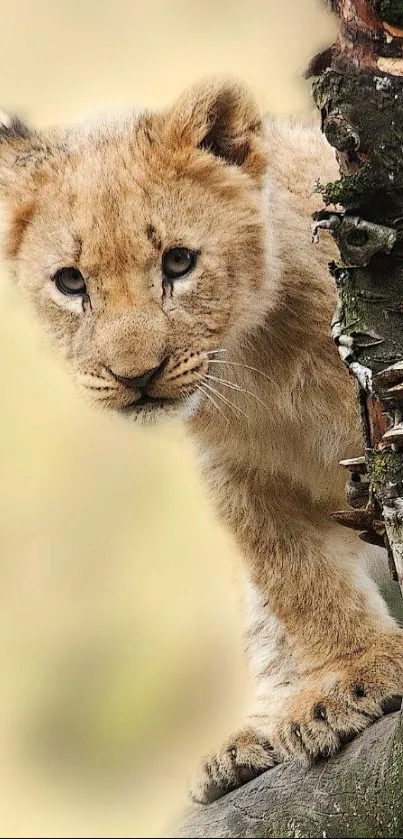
(177, 262)
(69, 281)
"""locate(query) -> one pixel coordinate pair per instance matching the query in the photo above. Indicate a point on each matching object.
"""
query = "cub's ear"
(12, 127)
(19, 153)
(222, 117)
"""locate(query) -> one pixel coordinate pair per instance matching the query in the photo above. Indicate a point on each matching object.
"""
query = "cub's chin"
(150, 409)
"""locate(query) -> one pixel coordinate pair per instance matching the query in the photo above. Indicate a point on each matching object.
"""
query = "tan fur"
(248, 361)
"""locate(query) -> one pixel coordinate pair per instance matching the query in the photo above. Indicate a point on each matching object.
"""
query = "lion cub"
(168, 256)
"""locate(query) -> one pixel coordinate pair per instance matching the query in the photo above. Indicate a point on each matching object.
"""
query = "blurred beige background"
(120, 648)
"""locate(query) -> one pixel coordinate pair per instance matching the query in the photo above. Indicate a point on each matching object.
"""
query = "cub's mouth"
(171, 389)
(146, 400)
(152, 402)
(149, 407)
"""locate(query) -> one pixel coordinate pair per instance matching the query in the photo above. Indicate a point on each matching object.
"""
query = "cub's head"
(140, 241)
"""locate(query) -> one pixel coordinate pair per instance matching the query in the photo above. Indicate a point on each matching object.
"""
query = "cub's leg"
(325, 654)
(249, 752)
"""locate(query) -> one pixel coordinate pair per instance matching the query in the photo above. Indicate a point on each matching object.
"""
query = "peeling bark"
(360, 96)
(358, 793)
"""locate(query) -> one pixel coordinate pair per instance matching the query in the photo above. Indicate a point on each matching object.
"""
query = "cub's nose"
(140, 382)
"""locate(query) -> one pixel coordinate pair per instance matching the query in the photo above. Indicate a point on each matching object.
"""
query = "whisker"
(213, 402)
(236, 387)
(246, 366)
(101, 387)
(225, 382)
(235, 408)
(90, 380)
(101, 397)
(214, 352)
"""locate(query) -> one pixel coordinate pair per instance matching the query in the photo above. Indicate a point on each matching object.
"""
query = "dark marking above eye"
(153, 236)
(78, 247)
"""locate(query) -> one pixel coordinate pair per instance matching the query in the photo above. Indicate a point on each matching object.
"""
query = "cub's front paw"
(320, 719)
(316, 722)
(243, 757)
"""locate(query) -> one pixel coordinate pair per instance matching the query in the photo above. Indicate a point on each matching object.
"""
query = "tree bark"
(356, 794)
(360, 95)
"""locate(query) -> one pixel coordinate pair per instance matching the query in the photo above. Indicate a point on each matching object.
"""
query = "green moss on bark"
(350, 190)
(369, 107)
(385, 467)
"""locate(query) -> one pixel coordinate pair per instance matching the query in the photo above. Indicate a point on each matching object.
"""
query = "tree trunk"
(359, 92)
(358, 793)
(360, 95)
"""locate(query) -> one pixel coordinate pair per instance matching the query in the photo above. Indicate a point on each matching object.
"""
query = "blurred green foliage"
(120, 649)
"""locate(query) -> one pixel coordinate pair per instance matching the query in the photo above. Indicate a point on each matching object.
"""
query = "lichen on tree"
(360, 98)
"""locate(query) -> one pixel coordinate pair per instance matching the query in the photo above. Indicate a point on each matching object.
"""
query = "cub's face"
(140, 242)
